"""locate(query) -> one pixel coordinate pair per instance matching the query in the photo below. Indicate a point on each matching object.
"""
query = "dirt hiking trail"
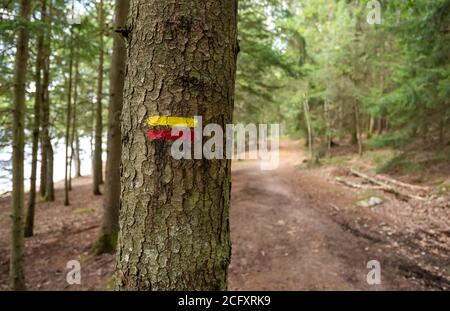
(292, 229)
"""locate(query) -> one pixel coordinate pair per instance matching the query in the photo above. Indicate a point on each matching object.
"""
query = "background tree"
(47, 189)
(29, 220)
(111, 205)
(68, 121)
(17, 242)
(97, 170)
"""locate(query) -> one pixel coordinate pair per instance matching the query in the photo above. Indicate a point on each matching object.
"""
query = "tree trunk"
(371, 129)
(111, 204)
(46, 182)
(328, 125)
(97, 169)
(354, 126)
(308, 126)
(380, 125)
(68, 119)
(29, 219)
(74, 123)
(357, 127)
(44, 137)
(77, 159)
(50, 195)
(17, 277)
(174, 219)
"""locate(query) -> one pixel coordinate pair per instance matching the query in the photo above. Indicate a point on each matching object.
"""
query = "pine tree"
(174, 218)
(110, 227)
(29, 220)
(97, 169)
(17, 277)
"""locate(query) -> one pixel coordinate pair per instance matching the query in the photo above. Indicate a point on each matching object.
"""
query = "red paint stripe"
(166, 134)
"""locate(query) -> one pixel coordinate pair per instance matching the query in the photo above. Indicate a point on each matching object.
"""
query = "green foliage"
(393, 140)
(391, 79)
(260, 66)
(401, 164)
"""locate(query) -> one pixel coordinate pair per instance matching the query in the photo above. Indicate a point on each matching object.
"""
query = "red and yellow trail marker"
(166, 134)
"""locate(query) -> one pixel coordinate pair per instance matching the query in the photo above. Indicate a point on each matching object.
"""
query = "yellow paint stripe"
(171, 121)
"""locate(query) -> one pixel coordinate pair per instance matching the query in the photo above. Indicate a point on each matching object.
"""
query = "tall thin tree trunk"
(371, 129)
(380, 125)
(50, 195)
(98, 167)
(17, 277)
(44, 135)
(328, 125)
(92, 138)
(111, 204)
(354, 126)
(77, 155)
(74, 123)
(308, 126)
(43, 138)
(357, 127)
(68, 119)
(46, 182)
(29, 219)
(174, 218)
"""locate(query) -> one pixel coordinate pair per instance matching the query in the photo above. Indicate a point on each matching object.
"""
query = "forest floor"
(292, 228)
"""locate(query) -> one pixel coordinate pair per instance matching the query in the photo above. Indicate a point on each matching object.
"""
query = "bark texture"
(174, 218)
(17, 277)
(97, 165)
(111, 204)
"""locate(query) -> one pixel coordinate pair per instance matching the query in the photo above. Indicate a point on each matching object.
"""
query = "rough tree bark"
(174, 218)
(29, 219)
(108, 235)
(17, 277)
(97, 170)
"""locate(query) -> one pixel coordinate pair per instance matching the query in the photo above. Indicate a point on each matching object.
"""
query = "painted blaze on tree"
(174, 218)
